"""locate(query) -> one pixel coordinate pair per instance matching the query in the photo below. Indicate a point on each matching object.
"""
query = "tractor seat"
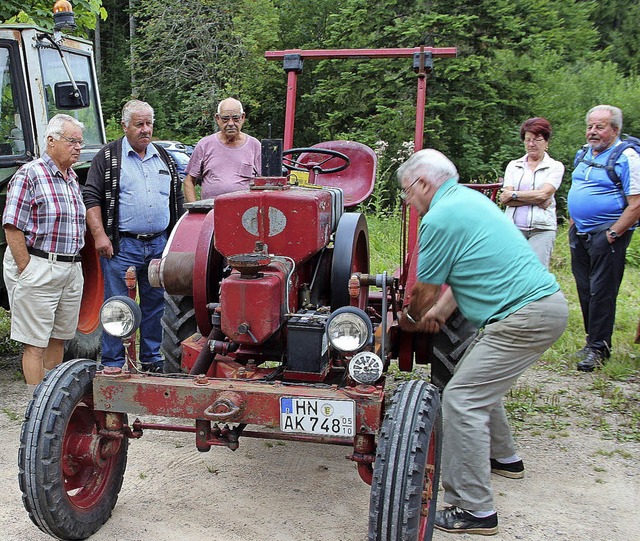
(357, 180)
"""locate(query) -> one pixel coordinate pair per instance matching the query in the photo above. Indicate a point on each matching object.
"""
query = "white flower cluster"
(402, 154)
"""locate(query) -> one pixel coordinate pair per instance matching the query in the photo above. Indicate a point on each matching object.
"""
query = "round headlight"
(120, 317)
(349, 329)
(366, 367)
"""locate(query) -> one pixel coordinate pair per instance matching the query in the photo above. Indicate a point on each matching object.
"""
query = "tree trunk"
(132, 33)
(97, 50)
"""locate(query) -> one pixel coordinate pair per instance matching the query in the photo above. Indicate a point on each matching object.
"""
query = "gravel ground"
(578, 486)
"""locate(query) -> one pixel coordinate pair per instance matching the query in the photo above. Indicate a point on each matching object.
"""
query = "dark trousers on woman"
(598, 268)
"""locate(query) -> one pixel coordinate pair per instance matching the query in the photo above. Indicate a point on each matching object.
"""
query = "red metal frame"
(243, 399)
(366, 54)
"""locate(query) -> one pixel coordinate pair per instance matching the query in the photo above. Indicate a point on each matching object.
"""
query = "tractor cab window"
(11, 132)
(56, 83)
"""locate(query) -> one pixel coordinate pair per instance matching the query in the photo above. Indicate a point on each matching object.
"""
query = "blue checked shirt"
(48, 209)
(145, 185)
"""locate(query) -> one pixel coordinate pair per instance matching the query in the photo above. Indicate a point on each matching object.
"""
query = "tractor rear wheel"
(178, 324)
(84, 346)
(406, 473)
(70, 473)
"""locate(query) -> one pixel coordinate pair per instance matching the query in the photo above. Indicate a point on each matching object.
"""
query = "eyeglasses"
(534, 141)
(404, 193)
(227, 118)
(74, 142)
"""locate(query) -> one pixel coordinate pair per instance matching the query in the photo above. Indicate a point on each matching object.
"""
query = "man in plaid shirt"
(44, 222)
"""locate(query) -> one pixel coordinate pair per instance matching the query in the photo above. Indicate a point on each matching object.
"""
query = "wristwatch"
(613, 234)
(514, 196)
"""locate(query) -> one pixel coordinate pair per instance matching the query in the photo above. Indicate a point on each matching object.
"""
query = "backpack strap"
(580, 155)
(609, 166)
(627, 142)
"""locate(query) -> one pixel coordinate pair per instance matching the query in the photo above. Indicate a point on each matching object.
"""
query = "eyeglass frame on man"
(404, 192)
(228, 118)
(74, 142)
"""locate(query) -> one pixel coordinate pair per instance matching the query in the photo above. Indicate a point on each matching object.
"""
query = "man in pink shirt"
(226, 160)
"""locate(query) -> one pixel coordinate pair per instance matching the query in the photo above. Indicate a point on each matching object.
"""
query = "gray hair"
(135, 106)
(430, 164)
(56, 125)
(616, 115)
(230, 100)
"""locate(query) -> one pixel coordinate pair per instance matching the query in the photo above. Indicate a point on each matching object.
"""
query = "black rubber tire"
(178, 324)
(67, 497)
(448, 347)
(407, 466)
(84, 346)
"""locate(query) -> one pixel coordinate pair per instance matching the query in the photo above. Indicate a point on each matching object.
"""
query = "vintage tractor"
(295, 339)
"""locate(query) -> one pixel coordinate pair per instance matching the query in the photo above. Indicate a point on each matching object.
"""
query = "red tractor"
(295, 339)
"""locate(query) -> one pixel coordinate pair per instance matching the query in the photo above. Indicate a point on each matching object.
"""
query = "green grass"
(12, 415)
(625, 358)
(7, 346)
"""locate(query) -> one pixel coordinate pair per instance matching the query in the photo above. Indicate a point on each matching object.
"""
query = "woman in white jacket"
(529, 186)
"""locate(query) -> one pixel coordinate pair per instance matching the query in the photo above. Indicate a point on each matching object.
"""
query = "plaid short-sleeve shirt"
(46, 207)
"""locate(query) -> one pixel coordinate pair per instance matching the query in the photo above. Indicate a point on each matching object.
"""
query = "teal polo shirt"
(466, 242)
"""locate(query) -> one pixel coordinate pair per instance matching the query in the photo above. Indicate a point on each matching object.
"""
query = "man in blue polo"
(603, 217)
(499, 285)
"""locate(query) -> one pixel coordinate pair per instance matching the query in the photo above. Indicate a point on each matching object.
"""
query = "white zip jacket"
(548, 171)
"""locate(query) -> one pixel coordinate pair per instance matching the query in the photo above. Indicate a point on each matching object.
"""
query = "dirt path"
(578, 487)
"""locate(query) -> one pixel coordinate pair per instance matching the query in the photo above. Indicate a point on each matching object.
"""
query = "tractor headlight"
(120, 317)
(349, 329)
(366, 367)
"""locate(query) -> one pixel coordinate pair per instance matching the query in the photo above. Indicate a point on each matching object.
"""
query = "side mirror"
(69, 96)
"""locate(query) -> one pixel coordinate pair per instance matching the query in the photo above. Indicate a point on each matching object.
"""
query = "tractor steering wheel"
(294, 164)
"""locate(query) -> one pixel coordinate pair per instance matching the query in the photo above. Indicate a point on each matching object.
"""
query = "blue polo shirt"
(145, 185)
(468, 243)
(594, 199)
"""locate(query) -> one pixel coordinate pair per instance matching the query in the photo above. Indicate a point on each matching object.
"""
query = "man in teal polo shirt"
(498, 284)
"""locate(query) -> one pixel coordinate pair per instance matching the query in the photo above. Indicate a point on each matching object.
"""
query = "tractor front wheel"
(71, 458)
(404, 489)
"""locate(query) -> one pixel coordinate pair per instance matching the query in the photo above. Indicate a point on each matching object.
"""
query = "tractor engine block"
(255, 299)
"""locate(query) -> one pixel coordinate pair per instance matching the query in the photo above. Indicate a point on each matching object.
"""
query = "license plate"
(313, 416)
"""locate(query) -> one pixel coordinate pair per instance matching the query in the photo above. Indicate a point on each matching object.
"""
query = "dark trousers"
(598, 268)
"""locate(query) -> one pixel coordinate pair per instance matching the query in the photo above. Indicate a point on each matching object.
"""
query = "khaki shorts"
(44, 299)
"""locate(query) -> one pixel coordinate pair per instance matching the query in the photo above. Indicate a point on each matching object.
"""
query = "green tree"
(510, 55)
(114, 73)
(192, 54)
(576, 88)
(475, 102)
(618, 22)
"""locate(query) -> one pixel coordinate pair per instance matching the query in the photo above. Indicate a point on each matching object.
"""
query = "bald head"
(230, 104)
(230, 118)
